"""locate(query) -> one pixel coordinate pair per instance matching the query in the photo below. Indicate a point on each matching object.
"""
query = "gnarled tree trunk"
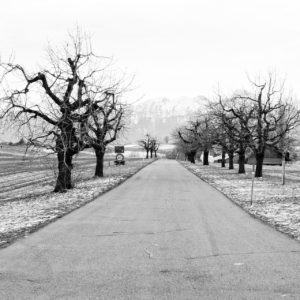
(205, 157)
(230, 160)
(64, 179)
(259, 163)
(223, 159)
(242, 160)
(191, 156)
(99, 162)
(66, 147)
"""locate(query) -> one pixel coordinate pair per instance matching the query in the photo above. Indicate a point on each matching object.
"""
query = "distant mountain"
(160, 117)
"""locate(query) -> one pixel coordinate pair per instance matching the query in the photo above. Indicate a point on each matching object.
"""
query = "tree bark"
(230, 160)
(191, 156)
(259, 163)
(151, 153)
(242, 160)
(147, 153)
(205, 157)
(223, 160)
(99, 162)
(283, 168)
(64, 179)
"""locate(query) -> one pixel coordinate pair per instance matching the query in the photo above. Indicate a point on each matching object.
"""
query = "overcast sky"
(174, 48)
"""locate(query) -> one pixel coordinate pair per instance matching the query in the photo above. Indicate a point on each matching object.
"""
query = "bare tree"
(285, 145)
(105, 122)
(154, 147)
(222, 136)
(237, 119)
(187, 142)
(54, 103)
(204, 133)
(146, 144)
(270, 107)
(226, 141)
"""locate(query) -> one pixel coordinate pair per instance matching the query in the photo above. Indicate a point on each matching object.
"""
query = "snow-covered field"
(26, 198)
(274, 203)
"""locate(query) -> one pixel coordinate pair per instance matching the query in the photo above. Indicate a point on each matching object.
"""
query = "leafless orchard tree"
(55, 102)
(203, 129)
(236, 116)
(150, 144)
(255, 120)
(183, 144)
(219, 121)
(154, 147)
(224, 138)
(187, 141)
(286, 144)
(106, 120)
(270, 107)
(145, 143)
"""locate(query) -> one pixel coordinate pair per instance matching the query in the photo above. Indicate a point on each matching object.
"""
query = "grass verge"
(273, 203)
(21, 216)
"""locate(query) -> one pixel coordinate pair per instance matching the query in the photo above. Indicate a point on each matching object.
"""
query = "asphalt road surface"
(163, 234)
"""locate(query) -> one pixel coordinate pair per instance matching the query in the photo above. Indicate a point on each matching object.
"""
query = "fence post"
(252, 184)
(283, 168)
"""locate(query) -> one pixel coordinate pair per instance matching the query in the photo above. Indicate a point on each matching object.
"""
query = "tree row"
(249, 121)
(70, 104)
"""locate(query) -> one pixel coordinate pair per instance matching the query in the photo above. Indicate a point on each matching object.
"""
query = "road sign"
(120, 160)
(119, 149)
(119, 157)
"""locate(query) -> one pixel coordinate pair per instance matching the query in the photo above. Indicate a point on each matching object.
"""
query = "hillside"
(160, 116)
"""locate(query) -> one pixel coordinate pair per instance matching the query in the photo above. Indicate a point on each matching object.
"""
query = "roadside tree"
(222, 138)
(154, 147)
(105, 121)
(145, 143)
(237, 119)
(185, 143)
(54, 102)
(269, 108)
(203, 131)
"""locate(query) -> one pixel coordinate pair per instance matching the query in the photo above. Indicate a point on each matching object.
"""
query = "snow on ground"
(167, 147)
(127, 154)
(274, 203)
(28, 208)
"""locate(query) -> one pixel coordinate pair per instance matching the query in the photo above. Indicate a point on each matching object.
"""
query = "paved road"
(164, 234)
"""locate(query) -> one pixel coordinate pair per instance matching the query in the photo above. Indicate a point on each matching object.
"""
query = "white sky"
(175, 48)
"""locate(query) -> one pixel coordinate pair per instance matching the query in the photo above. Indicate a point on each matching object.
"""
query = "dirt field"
(32, 174)
(27, 182)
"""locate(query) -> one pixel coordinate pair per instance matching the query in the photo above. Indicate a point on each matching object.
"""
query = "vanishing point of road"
(163, 234)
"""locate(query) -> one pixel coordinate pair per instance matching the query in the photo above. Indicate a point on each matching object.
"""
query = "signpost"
(109, 178)
(120, 159)
(119, 149)
(252, 185)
